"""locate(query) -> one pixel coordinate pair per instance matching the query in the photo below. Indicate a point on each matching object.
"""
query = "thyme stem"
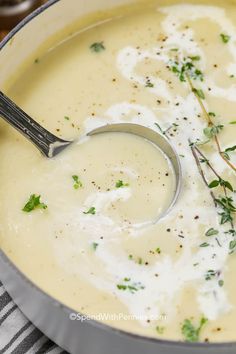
(210, 124)
(194, 149)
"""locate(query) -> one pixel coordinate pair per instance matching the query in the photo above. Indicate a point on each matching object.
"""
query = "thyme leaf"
(228, 150)
(221, 182)
(97, 47)
(204, 244)
(221, 283)
(210, 274)
(212, 131)
(211, 232)
(226, 203)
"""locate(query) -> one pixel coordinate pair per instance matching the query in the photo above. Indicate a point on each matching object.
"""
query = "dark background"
(3, 32)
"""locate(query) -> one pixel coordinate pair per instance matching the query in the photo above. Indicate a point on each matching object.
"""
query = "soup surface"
(80, 225)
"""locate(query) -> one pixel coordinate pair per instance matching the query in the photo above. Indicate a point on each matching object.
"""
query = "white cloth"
(17, 334)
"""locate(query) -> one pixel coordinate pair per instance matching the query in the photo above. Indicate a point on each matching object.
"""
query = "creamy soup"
(82, 225)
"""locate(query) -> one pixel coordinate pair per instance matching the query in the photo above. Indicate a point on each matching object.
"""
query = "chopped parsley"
(126, 279)
(97, 47)
(120, 184)
(132, 287)
(66, 118)
(190, 332)
(91, 211)
(160, 330)
(121, 287)
(225, 37)
(94, 245)
(34, 203)
(77, 183)
(137, 260)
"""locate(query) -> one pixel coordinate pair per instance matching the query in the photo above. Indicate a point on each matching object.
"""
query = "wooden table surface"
(4, 33)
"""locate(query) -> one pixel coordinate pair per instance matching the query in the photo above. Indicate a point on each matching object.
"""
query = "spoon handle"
(45, 141)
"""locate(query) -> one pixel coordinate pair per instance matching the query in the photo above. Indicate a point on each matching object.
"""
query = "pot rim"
(54, 301)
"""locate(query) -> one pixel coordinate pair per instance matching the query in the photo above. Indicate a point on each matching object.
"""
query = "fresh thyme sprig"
(186, 66)
(194, 150)
(187, 71)
(225, 202)
(212, 130)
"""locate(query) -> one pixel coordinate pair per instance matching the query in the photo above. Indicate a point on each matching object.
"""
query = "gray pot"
(50, 316)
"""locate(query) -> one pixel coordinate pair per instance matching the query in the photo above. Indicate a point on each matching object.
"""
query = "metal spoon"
(50, 145)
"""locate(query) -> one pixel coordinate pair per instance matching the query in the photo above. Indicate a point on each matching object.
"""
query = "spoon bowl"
(160, 141)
